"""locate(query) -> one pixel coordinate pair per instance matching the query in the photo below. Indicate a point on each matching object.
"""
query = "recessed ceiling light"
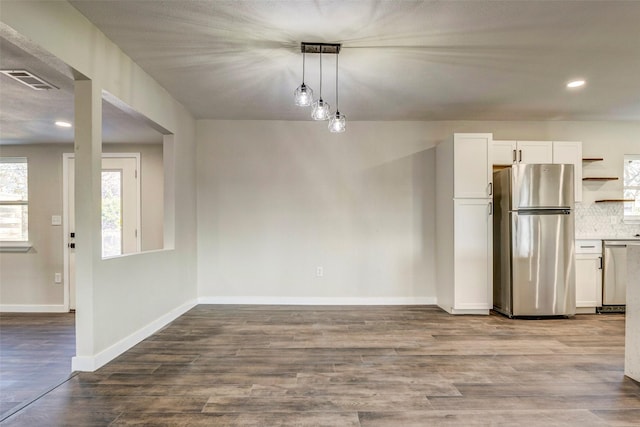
(575, 83)
(63, 124)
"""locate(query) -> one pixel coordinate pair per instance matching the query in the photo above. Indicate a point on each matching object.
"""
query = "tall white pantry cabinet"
(464, 191)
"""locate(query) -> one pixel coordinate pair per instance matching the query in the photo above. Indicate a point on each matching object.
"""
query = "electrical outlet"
(319, 271)
(57, 278)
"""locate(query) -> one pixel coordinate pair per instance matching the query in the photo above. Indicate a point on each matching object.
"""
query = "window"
(111, 213)
(14, 199)
(632, 187)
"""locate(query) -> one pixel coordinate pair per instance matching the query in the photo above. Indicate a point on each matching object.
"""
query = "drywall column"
(632, 336)
(88, 154)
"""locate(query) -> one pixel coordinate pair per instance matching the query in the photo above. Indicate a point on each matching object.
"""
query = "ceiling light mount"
(306, 47)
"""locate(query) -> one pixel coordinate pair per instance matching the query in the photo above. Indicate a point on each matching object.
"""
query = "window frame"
(629, 218)
(13, 245)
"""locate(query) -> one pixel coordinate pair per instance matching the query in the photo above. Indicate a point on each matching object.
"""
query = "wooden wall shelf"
(600, 178)
(615, 200)
(592, 159)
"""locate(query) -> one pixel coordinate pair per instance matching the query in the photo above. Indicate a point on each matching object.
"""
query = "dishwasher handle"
(615, 244)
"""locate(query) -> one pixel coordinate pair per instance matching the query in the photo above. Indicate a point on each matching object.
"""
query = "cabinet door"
(535, 152)
(472, 170)
(588, 280)
(472, 255)
(570, 152)
(503, 152)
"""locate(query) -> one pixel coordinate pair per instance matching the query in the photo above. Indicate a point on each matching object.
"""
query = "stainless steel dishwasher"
(614, 288)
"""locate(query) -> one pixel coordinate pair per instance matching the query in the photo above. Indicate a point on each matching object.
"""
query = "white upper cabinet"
(504, 152)
(570, 152)
(535, 152)
(512, 152)
(472, 167)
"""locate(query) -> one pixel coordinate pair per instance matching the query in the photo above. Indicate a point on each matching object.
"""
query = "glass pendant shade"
(338, 123)
(303, 96)
(320, 110)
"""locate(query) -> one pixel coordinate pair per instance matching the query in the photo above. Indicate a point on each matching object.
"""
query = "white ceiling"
(27, 116)
(401, 60)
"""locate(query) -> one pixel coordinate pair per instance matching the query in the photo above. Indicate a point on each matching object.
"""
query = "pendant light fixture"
(303, 95)
(337, 122)
(320, 108)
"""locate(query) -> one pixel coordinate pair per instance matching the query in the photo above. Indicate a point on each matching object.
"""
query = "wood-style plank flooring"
(35, 354)
(355, 366)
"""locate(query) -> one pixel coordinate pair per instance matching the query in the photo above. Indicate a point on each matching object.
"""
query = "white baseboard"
(33, 308)
(470, 309)
(319, 300)
(91, 363)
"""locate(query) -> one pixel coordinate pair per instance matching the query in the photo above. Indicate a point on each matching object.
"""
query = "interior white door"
(120, 211)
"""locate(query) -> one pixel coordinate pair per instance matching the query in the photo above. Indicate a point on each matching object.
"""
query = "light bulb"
(303, 96)
(320, 110)
(338, 123)
(576, 83)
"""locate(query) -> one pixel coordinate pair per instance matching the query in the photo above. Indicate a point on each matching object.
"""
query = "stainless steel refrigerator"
(533, 241)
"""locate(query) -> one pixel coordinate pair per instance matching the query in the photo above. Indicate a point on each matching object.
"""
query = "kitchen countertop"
(616, 239)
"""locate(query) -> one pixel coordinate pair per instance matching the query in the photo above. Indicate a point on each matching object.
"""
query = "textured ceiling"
(401, 60)
(28, 115)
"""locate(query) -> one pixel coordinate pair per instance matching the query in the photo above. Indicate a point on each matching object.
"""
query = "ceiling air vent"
(29, 79)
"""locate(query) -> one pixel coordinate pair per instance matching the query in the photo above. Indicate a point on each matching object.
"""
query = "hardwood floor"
(355, 366)
(35, 354)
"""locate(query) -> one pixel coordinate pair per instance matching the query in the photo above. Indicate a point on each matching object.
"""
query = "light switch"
(56, 220)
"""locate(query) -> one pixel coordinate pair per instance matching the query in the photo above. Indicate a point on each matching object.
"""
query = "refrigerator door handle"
(561, 211)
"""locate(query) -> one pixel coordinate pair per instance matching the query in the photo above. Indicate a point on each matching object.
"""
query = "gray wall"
(28, 278)
(277, 199)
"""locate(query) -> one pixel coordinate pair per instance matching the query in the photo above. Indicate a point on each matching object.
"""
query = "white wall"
(278, 199)
(27, 278)
(121, 300)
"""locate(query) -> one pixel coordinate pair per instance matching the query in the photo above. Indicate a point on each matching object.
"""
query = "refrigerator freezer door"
(542, 186)
(543, 266)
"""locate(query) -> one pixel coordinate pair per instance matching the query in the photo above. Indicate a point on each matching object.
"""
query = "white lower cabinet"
(588, 275)
(473, 269)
